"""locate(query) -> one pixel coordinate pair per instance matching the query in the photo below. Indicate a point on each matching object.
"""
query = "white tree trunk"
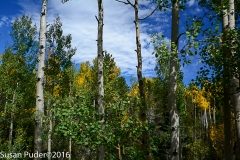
(50, 129)
(214, 110)
(235, 81)
(100, 72)
(70, 147)
(12, 116)
(40, 81)
(236, 105)
(174, 116)
(205, 122)
(210, 114)
(143, 108)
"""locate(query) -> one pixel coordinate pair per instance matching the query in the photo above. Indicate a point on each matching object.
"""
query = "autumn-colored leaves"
(199, 96)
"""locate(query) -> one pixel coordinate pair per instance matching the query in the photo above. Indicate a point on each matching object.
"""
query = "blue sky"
(78, 17)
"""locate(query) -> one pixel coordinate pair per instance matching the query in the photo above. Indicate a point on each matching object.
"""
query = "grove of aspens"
(52, 108)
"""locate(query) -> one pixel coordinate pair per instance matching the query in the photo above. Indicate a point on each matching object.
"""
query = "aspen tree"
(228, 145)
(143, 107)
(174, 115)
(12, 116)
(235, 80)
(40, 81)
(49, 141)
(100, 72)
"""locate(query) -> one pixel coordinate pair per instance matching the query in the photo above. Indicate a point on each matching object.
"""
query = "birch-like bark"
(50, 52)
(210, 114)
(70, 147)
(205, 123)
(214, 110)
(235, 81)
(143, 108)
(50, 129)
(174, 115)
(236, 105)
(100, 73)
(40, 82)
(70, 139)
(228, 144)
(12, 116)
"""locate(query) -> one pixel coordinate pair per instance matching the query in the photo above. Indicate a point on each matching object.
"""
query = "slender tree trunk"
(174, 115)
(11, 128)
(70, 147)
(235, 81)
(228, 145)
(236, 105)
(100, 73)
(143, 108)
(70, 139)
(50, 52)
(40, 82)
(214, 110)
(205, 123)
(214, 119)
(195, 119)
(5, 107)
(210, 114)
(12, 117)
(50, 129)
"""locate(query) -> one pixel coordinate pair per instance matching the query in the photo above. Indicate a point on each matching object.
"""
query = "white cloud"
(198, 10)
(3, 21)
(78, 17)
(191, 2)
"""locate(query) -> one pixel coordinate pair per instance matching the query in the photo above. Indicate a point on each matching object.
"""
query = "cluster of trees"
(91, 113)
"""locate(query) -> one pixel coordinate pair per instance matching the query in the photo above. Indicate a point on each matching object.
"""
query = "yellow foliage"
(134, 91)
(56, 90)
(3, 114)
(199, 97)
(80, 80)
(116, 72)
(13, 71)
(216, 135)
(84, 76)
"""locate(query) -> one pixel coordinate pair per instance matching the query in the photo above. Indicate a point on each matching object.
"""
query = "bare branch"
(179, 37)
(122, 2)
(128, 2)
(148, 15)
(131, 3)
(96, 18)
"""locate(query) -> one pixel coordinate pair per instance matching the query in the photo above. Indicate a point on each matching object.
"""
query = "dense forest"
(50, 105)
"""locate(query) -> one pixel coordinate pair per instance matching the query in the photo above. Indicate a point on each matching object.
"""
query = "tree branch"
(128, 2)
(148, 15)
(179, 37)
(97, 19)
(131, 3)
(122, 2)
